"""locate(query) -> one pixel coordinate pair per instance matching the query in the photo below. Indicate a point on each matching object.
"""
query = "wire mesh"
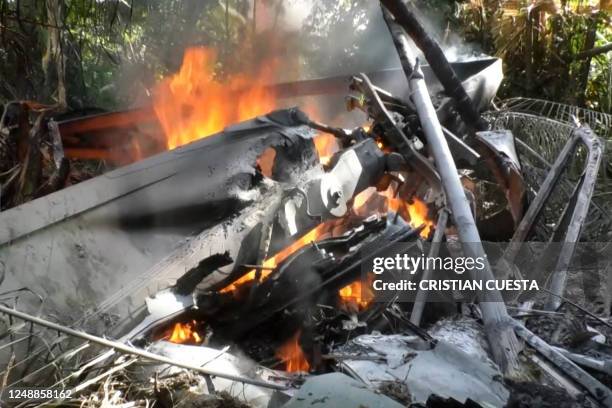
(539, 142)
(599, 122)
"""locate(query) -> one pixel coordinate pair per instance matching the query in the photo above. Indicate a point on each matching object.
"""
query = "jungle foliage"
(553, 50)
(109, 53)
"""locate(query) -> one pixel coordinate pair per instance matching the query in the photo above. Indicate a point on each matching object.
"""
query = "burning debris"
(292, 355)
(191, 105)
(253, 246)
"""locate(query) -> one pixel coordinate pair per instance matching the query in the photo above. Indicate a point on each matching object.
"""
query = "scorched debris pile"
(249, 246)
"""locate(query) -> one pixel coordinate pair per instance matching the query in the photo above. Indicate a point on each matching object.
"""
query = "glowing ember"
(292, 355)
(185, 333)
(272, 262)
(326, 146)
(357, 294)
(191, 104)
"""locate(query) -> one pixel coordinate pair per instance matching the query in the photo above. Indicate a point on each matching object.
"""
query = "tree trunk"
(585, 68)
(54, 62)
(529, 42)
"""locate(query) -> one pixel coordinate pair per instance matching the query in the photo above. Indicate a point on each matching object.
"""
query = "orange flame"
(325, 143)
(292, 355)
(415, 213)
(357, 294)
(191, 104)
(326, 146)
(418, 213)
(185, 333)
(271, 263)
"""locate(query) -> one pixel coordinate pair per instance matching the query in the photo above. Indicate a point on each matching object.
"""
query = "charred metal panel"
(79, 246)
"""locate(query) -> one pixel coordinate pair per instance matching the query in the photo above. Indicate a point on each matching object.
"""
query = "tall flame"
(271, 263)
(292, 355)
(192, 104)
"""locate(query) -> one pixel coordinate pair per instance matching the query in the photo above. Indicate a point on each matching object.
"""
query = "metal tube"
(495, 316)
(498, 327)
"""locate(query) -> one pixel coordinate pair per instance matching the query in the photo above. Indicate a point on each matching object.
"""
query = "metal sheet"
(445, 370)
(79, 246)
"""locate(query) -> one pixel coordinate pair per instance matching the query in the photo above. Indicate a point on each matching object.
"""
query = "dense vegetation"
(109, 53)
(551, 49)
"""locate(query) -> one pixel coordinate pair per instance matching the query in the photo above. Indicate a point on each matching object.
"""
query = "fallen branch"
(105, 374)
(594, 51)
(10, 181)
(577, 306)
(601, 365)
(6, 374)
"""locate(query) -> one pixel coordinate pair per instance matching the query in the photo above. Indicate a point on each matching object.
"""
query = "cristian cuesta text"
(456, 284)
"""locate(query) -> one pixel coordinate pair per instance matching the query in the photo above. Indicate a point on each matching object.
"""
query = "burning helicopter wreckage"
(266, 305)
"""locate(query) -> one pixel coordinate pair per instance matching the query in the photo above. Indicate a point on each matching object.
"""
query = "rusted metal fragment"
(505, 163)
